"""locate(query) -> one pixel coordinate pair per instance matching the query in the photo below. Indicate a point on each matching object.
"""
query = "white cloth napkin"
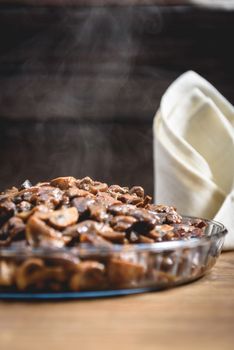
(222, 4)
(194, 151)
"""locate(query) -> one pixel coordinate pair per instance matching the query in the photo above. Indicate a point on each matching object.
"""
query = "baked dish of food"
(76, 235)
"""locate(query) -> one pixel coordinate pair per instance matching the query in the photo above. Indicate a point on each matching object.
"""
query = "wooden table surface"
(196, 316)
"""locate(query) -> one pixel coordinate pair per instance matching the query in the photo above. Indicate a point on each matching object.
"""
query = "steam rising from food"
(81, 65)
(78, 62)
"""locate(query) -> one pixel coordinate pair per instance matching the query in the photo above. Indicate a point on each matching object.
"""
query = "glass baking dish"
(86, 271)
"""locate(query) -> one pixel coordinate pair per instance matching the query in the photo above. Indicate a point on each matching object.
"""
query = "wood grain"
(111, 152)
(107, 63)
(98, 2)
(207, 3)
(196, 316)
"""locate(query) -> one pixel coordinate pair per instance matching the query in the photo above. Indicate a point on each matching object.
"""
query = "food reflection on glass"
(81, 235)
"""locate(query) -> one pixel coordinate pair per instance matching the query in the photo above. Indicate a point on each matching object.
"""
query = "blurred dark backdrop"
(79, 85)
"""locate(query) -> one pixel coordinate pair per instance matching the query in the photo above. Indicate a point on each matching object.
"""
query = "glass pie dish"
(88, 271)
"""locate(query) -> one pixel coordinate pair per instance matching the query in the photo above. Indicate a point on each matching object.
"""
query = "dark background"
(79, 85)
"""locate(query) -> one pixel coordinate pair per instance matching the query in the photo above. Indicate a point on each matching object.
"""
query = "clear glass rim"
(87, 249)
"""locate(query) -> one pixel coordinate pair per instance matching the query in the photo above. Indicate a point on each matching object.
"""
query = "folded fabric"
(222, 4)
(194, 151)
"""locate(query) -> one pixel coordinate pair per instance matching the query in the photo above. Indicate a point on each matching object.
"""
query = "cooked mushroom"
(122, 222)
(138, 190)
(63, 183)
(140, 214)
(7, 209)
(13, 229)
(8, 194)
(169, 214)
(7, 273)
(91, 275)
(89, 230)
(28, 273)
(98, 212)
(121, 272)
(98, 187)
(63, 218)
(85, 184)
(117, 189)
(129, 198)
(37, 195)
(82, 204)
(39, 233)
(77, 192)
(106, 199)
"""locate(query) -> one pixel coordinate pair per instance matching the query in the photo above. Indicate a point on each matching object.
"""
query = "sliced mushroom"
(37, 195)
(169, 214)
(77, 192)
(155, 235)
(44, 183)
(98, 187)
(9, 194)
(38, 274)
(82, 204)
(39, 233)
(123, 272)
(26, 194)
(48, 195)
(145, 202)
(166, 232)
(95, 240)
(173, 218)
(7, 209)
(145, 239)
(23, 206)
(121, 209)
(138, 190)
(91, 275)
(199, 223)
(55, 273)
(7, 273)
(85, 184)
(64, 217)
(106, 199)
(162, 277)
(122, 222)
(109, 234)
(89, 230)
(140, 214)
(98, 212)
(129, 198)
(118, 189)
(64, 183)
(13, 229)
(29, 273)
(41, 211)
(66, 260)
